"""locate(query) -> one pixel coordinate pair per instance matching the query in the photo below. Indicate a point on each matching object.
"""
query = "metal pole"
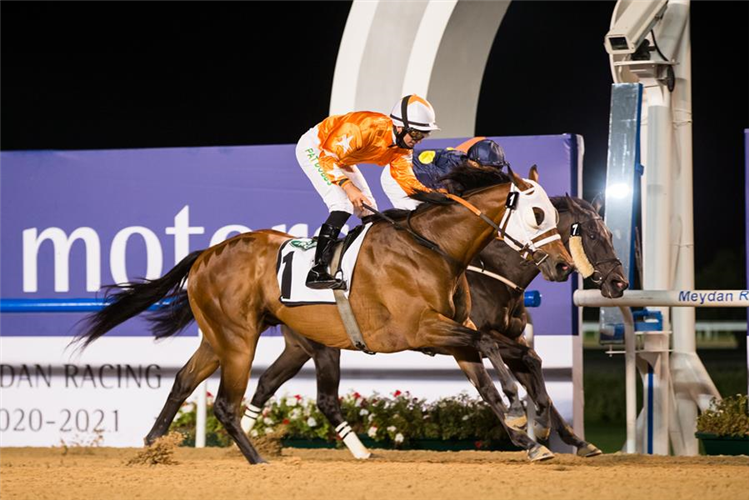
(630, 374)
(202, 409)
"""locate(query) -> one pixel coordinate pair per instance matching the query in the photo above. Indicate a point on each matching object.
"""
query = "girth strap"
(344, 307)
(497, 277)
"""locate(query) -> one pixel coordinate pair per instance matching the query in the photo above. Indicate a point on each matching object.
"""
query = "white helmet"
(414, 112)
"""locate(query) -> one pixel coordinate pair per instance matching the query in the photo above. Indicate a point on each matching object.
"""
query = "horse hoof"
(539, 453)
(518, 423)
(588, 451)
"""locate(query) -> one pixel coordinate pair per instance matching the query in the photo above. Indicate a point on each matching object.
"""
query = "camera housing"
(631, 28)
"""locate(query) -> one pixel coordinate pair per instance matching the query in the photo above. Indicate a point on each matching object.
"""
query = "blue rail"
(60, 305)
(531, 298)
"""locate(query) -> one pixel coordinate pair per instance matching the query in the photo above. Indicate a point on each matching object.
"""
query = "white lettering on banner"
(154, 255)
(182, 231)
(224, 232)
(62, 244)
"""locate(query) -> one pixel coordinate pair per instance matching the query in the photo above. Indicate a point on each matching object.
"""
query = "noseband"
(597, 277)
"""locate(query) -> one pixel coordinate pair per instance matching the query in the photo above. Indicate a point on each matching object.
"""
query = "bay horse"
(497, 278)
(233, 294)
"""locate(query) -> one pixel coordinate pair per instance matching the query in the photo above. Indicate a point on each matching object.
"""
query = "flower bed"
(397, 421)
(724, 427)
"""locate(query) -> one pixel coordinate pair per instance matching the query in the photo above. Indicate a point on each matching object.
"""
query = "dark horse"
(233, 294)
(497, 278)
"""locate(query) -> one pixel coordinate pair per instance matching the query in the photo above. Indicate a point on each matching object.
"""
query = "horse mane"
(465, 178)
(572, 204)
(460, 181)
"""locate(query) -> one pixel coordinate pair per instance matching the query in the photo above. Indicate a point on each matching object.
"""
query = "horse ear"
(598, 202)
(533, 173)
(569, 201)
(517, 180)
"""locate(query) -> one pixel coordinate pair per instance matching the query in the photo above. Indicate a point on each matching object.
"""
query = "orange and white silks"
(329, 154)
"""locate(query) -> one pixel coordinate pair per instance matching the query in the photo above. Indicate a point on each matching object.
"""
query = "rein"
(528, 251)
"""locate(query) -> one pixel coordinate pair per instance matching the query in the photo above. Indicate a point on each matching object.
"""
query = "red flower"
(397, 393)
(285, 421)
(357, 395)
(208, 394)
(479, 444)
(298, 397)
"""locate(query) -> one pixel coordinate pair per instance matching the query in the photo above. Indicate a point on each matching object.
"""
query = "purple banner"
(72, 221)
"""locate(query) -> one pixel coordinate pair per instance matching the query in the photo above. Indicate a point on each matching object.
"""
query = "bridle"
(530, 251)
(597, 277)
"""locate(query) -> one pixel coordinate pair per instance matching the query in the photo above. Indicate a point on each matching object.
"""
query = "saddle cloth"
(296, 257)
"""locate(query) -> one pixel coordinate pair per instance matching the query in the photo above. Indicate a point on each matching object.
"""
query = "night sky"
(94, 75)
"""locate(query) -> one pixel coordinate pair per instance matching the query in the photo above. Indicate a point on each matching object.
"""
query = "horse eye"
(539, 215)
(591, 235)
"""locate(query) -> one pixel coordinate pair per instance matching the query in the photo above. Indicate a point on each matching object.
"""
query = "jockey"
(328, 154)
(432, 164)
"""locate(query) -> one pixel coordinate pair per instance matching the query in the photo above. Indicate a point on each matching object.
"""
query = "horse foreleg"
(584, 448)
(470, 362)
(526, 366)
(440, 331)
(536, 388)
(200, 366)
(516, 417)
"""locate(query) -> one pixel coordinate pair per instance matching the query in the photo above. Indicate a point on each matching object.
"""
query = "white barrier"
(660, 346)
(665, 298)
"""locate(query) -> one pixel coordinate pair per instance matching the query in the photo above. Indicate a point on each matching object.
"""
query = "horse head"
(591, 245)
(531, 228)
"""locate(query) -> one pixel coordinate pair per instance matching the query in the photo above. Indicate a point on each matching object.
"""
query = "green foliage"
(395, 420)
(728, 417)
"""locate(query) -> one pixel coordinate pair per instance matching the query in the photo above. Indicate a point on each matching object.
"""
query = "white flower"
(295, 414)
(363, 411)
(253, 433)
(371, 417)
(399, 438)
(358, 402)
(311, 422)
(466, 417)
(392, 428)
(372, 432)
(268, 430)
(268, 421)
(291, 401)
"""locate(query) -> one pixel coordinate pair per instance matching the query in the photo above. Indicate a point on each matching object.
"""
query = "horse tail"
(134, 298)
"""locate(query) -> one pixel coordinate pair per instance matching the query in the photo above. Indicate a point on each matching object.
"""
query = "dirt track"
(215, 473)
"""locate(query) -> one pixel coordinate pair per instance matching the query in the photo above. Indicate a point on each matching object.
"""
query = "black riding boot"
(319, 278)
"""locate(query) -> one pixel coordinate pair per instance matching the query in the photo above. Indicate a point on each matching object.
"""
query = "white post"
(201, 409)
(630, 376)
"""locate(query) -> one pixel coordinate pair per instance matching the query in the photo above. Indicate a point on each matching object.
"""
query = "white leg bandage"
(352, 442)
(250, 417)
